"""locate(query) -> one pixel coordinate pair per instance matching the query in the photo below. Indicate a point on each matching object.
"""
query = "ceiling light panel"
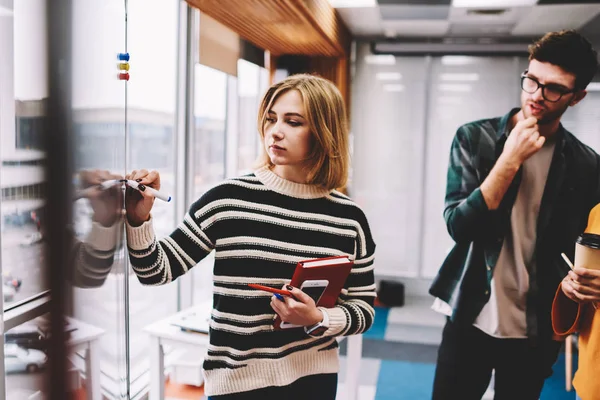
(417, 27)
(455, 87)
(459, 77)
(380, 59)
(352, 3)
(458, 60)
(393, 87)
(493, 3)
(404, 12)
(388, 76)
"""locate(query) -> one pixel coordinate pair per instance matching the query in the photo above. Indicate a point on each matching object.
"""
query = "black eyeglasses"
(550, 92)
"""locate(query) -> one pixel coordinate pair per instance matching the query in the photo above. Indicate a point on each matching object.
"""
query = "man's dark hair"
(569, 50)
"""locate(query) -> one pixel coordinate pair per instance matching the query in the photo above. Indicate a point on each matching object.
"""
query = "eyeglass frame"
(543, 88)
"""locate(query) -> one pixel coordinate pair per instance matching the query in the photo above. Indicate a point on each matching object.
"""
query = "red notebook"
(322, 279)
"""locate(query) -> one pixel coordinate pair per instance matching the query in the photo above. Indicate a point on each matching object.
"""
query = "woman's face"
(288, 140)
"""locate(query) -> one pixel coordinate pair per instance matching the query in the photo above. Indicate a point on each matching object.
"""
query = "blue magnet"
(123, 56)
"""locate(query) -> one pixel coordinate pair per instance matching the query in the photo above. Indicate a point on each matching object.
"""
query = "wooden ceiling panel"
(308, 27)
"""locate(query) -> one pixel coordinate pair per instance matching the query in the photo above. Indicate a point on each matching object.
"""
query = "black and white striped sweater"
(260, 226)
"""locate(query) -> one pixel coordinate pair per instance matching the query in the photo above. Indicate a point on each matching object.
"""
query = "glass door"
(98, 312)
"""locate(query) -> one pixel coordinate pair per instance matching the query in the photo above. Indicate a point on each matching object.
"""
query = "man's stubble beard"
(547, 118)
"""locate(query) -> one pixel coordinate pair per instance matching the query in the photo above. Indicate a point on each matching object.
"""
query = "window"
(226, 138)
(210, 110)
(23, 93)
(209, 158)
(252, 85)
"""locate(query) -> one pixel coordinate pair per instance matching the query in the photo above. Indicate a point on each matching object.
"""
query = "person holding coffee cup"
(519, 191)
(573, 308)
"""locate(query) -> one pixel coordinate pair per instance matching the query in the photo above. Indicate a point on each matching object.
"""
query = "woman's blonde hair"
(326, 115)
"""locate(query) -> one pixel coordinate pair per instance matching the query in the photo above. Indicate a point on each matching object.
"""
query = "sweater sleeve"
(93, 258)
(157, 262)
(565, 314)
(354, 313)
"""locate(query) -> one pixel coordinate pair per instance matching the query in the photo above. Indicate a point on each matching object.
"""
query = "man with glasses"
(519, 190)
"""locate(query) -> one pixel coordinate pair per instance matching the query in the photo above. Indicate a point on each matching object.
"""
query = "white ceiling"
(402, 20)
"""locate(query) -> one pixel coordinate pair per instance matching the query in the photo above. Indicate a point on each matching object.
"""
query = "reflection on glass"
(119, 126)
(23, 100)
(93, 255)
(150, 136)
(97, 310)
(25, 360)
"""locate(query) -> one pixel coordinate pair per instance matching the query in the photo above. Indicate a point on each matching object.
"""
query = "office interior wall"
(583, 120)
(388, 125)
(477, 88)
(405, 112)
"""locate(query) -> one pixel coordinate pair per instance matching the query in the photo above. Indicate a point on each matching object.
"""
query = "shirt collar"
(503, 129)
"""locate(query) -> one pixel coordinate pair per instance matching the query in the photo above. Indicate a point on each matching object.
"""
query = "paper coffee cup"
(587, 251)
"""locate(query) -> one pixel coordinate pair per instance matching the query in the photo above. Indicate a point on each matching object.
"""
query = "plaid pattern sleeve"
(465, 208)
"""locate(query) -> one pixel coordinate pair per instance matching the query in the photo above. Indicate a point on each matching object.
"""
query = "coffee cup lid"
(590, 240)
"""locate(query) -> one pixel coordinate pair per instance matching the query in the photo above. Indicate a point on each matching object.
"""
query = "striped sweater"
(260, 226)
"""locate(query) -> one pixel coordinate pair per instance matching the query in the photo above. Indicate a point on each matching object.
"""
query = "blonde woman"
(260, 225)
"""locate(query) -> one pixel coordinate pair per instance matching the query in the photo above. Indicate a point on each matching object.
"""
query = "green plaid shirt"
(571, 191)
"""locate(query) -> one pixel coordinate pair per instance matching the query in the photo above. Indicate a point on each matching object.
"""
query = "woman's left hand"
(586, 284)
(299, 310)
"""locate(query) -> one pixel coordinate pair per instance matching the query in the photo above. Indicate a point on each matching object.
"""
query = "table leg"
(92, 371)
(157, 370)
(353, 357)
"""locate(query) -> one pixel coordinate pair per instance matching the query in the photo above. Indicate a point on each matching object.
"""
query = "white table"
(163, 333)
(85, 338)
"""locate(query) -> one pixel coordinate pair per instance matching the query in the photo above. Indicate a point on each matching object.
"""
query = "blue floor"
(377, 330)
(416, 378)
(415, 382)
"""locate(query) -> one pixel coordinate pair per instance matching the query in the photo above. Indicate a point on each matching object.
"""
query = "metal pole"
(184, 127)
(58, 203)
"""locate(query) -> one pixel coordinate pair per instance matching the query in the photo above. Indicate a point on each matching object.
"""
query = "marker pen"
(147, 189)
